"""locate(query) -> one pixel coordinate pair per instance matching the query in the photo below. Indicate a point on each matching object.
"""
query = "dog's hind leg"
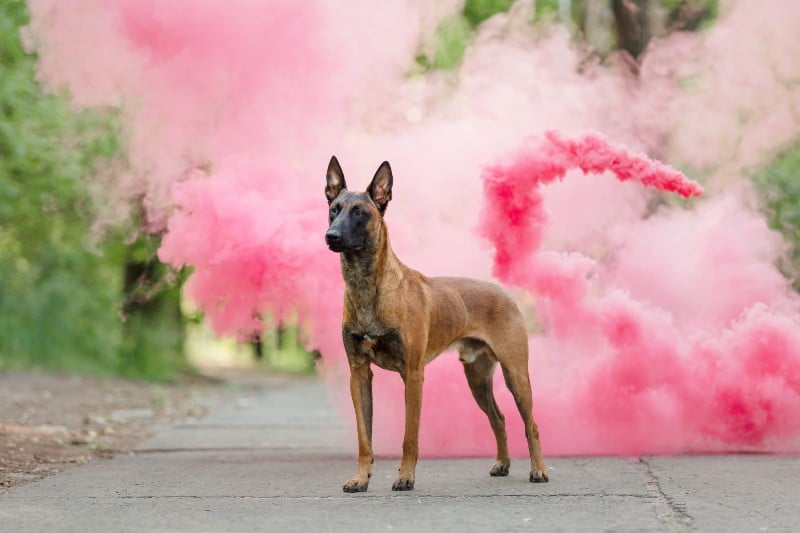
(519, 383)
(479, 369)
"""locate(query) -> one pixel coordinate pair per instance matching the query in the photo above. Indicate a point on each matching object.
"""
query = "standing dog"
(400, 320)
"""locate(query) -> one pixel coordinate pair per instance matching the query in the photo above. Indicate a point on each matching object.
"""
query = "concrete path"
(278, 461)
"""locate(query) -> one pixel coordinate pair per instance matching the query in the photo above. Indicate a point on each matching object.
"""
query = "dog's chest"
(369, 334)
(384, 348)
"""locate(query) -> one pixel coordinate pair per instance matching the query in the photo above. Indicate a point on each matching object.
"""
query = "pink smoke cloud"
(514, 218)
(649, 384)
(198, 82)
(657, 330)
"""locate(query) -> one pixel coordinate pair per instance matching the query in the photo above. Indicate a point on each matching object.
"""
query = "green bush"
(61, 291)
(779, 187)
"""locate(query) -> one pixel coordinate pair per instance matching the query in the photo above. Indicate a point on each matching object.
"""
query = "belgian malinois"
(400, 320)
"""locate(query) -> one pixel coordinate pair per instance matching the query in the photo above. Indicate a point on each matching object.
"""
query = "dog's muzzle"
(333, 239)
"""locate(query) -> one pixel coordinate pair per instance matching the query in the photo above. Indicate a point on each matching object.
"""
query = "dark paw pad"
(355, 486)
(403, 484)
(499, 469)
(539, 478)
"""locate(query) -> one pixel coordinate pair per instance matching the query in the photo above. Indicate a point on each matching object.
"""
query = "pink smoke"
(514, 218)
(657, 329)
(247, 266)
(650, 385)
(198, 82)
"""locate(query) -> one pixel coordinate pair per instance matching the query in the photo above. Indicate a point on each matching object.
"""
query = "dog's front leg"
(361, 392)
(405, 477)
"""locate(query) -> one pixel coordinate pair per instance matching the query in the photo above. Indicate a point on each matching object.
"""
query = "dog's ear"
(334, 180)
(380, 189)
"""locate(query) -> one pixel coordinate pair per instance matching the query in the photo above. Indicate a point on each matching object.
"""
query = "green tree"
(606, 25)
(62, 291)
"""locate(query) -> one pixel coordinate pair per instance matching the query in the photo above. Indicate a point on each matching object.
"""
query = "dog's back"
(483, 312)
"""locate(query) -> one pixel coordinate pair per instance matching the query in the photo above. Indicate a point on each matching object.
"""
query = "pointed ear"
(334, 180)
(380, 189)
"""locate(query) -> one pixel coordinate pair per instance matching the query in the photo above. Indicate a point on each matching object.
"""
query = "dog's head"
(355, 218)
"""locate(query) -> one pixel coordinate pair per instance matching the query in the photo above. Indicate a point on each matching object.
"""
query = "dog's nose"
(333, 237)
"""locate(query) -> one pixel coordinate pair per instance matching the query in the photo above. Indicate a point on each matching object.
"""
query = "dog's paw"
(499, 469)
(403, 483)
(539, 477)
(356, 485)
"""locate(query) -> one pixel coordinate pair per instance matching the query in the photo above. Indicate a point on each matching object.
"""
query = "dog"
(400, 320)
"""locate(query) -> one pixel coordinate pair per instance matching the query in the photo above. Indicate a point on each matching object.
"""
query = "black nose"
(333, 237)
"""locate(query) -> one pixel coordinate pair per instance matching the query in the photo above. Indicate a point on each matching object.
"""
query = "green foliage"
(779, 186)
(446, 47)
(546, 9)
(450, 42)
(283, 351)
(61, 291)
(476, 11)
(44, 258)
(451, 38)
(153, 323)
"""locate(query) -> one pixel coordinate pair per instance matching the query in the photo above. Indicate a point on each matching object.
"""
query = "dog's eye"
(334, 210)
(358, 212)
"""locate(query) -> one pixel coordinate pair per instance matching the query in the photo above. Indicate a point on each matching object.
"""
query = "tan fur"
(400, 320)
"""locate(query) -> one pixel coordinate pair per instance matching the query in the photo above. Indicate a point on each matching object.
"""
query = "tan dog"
(400, 320)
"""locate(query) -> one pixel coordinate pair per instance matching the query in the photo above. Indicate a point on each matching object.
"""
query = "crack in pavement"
(670, 512)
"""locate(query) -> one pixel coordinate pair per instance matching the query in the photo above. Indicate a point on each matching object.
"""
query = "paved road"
(277, 463)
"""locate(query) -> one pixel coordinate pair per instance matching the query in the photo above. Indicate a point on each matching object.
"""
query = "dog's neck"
(367, 272)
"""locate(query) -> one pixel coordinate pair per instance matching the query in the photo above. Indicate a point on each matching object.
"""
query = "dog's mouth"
(338, 248)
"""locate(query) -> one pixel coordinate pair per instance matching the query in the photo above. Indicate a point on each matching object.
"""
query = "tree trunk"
(153, 323)
(632, 21)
